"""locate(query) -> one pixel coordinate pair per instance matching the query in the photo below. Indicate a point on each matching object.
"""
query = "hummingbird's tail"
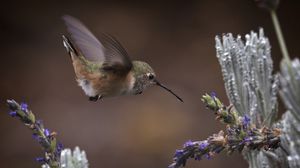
(69, 46)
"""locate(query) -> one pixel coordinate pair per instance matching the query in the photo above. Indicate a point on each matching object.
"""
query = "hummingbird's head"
(146, 77)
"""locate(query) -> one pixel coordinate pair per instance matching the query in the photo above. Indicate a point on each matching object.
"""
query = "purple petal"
(208, 156)
(40, 159)
(178, 153)
(246, 121)
(39, 122)
(59, 147)
(13, 113)
(36, 137)
(47, 132)
(24, 107)
(213, 94)
(203, 145)
(188, 144)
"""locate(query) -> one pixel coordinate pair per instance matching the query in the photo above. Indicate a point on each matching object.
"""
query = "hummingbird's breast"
(102, 83)
(110, 85)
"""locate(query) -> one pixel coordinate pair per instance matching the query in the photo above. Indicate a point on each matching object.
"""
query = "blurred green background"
(175, 37)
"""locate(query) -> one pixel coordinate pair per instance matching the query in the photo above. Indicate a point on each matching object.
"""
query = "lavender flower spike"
(55, 155)
(241, 136)
(45, 138)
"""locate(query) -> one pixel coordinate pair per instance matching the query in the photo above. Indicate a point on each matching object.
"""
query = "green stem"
(280, 36)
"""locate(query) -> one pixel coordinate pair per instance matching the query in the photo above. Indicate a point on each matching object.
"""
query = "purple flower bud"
(13, 113)
(246, 121)
(248, 139)
(188, 144)
(178, 153)
(213, 94)
(36, 137)
(203, 145)
(24, 107)
(59, 147)
(12, 104)
(250, 133)
(208, 156)
(40, 160)
(39, 123)
(47, 132)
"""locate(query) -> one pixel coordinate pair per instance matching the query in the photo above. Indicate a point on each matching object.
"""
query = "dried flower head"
(267, 4)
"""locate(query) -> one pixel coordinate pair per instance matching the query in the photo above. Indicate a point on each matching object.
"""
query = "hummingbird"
(102, 65)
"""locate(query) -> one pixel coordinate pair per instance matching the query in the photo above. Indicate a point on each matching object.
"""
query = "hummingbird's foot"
(95, 98)
(139, 92)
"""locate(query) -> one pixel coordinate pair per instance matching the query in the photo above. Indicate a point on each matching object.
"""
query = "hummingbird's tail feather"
(69, 46)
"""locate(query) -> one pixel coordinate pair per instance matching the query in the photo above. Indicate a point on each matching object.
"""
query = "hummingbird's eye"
(150, 76)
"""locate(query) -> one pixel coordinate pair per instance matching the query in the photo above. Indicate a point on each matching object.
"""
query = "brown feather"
(103, 83)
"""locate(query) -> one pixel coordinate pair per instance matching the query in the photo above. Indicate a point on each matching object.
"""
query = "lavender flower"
(178, 153)
(55, 155)
(187, 144)
(13, 113)
(246, 121)
(41, 160)
(203, 145)
(241, 136)
(46, 132)
(213, 94)
(225, 114)
(45, 138)
(198, 149)
(24, 107)
(212, 102)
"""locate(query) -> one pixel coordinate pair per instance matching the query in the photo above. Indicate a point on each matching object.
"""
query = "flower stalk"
(46, 139)
(279, 34)
(241, 135)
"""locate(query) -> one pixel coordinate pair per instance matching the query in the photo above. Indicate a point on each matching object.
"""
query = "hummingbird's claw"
(95, 98)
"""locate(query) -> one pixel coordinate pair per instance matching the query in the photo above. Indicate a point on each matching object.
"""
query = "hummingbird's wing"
(108, 51)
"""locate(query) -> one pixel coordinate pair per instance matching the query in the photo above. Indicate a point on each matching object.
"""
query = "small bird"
(103, 67)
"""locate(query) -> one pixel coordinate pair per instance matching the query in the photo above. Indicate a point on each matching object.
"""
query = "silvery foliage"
(250, 85)
(69, 159)
(290, 94)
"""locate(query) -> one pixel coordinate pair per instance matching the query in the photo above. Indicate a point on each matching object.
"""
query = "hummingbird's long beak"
(167, 89)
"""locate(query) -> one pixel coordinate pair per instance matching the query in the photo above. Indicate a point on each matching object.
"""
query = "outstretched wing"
(108, 51)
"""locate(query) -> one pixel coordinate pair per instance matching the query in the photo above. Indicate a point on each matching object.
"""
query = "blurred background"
(175, 37)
